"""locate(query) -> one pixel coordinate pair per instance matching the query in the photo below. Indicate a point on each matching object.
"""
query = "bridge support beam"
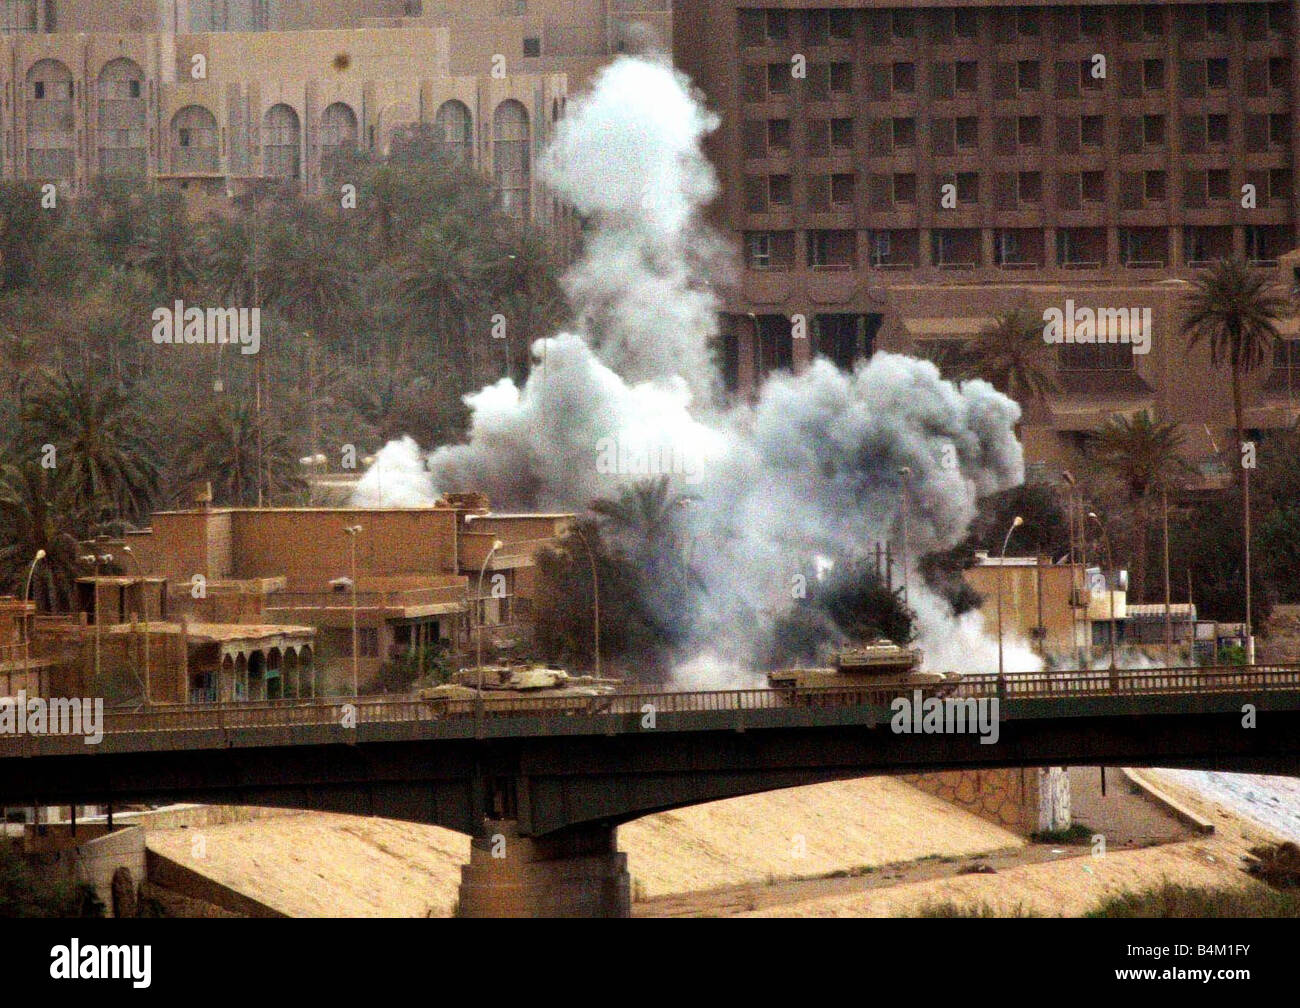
(578, 872)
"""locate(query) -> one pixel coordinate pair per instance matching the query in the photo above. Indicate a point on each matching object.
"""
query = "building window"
(1153, 74)
(842, 134)
(842, 186)
(904, 133)
(841, 24)
(967, 77)
(966, 24)
(778, 134)
(1216, 184)
(779, 190)
(1092, 22)
(1091, 133)
(1279, 129)
(1153, 130)
(1029, 131)
(904, 78)
(772, 250)
(1092, 186)
(903, 24)
(968, 187)
(968, 131)
(1094, 357)
(1216, 129)
(904, 191)
(1027, 22)
(1153, 22)
(778, 79)
(1279, 73)
(1216, 73)
(184, 137)
(841, 75)
(832, 249)
(38, 90)
(532, 47)
(1154, 186)
(1028, 75)
(1029, 187)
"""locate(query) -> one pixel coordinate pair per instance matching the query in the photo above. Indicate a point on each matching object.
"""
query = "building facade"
(896, 176)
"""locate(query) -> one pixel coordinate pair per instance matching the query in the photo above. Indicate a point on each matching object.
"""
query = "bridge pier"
(578, 872)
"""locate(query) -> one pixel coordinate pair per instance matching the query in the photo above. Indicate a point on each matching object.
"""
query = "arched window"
(281, 153)
(338, 137)
(51, 124)
(510, 157)
(123, 119)
(454, 132)
(194, 144)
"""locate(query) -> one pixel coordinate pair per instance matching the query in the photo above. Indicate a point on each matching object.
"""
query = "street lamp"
(1110, 563)
(144, 605)
(480, 613)
(27, 628)
(97, 559)
(1076, 566)
(595, 595)
(1001, 575)
(352, 531)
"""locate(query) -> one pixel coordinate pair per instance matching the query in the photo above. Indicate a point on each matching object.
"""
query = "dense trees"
(375, 321)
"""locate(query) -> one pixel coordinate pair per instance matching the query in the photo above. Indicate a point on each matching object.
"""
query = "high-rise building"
(895, 176)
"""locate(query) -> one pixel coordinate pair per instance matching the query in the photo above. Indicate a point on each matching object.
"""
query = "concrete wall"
(1022, 799)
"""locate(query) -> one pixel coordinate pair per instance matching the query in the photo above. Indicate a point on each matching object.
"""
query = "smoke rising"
(813, 468)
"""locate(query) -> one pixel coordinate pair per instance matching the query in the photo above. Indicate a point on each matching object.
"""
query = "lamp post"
(97, 559)
(595, 596)
(144, 605)
(480, 615)
(1169, 622)
(27, 629)
(1002, 574)
(1076, 567)
(352, 531)
(1110, 592)
(905, 472)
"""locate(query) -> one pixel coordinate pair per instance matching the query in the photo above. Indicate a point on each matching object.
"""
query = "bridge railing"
(335, 710)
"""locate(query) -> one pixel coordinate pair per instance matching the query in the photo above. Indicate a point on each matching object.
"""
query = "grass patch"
(1077, 833)
(950, 908)
(1174, 900)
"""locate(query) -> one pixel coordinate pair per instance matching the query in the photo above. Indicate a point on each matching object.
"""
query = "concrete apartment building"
(933, 166)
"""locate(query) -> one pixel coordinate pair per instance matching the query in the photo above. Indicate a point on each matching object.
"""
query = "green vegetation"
(1171, 899)
(1075, 833)
(949, 908)
(25, 893)
(372, 324)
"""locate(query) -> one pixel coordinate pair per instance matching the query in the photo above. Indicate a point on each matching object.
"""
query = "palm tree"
(1008, 354)
(1144, 454)
(39, 511)
(645, 515)
(443, 279)
(220, 447)
(1236, 310)
(103, 446)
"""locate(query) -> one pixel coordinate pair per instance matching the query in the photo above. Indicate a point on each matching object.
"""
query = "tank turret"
(504, 682)
(879, 665)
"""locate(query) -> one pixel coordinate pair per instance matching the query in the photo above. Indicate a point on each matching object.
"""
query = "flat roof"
(224, 633)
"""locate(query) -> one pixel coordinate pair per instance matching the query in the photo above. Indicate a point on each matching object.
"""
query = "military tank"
(880, 667)
(517, 687)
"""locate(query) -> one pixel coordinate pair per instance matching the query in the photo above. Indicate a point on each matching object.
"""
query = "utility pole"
(1169, 622)
(1002, 568)
(352, 531)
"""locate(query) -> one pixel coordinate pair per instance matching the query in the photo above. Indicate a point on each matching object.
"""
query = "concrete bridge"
(541, 784)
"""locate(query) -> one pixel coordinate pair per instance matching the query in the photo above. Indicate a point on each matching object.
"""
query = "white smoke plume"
(812, 469)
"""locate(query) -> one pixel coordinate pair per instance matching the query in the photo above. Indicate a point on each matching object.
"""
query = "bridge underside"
(550, 783)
